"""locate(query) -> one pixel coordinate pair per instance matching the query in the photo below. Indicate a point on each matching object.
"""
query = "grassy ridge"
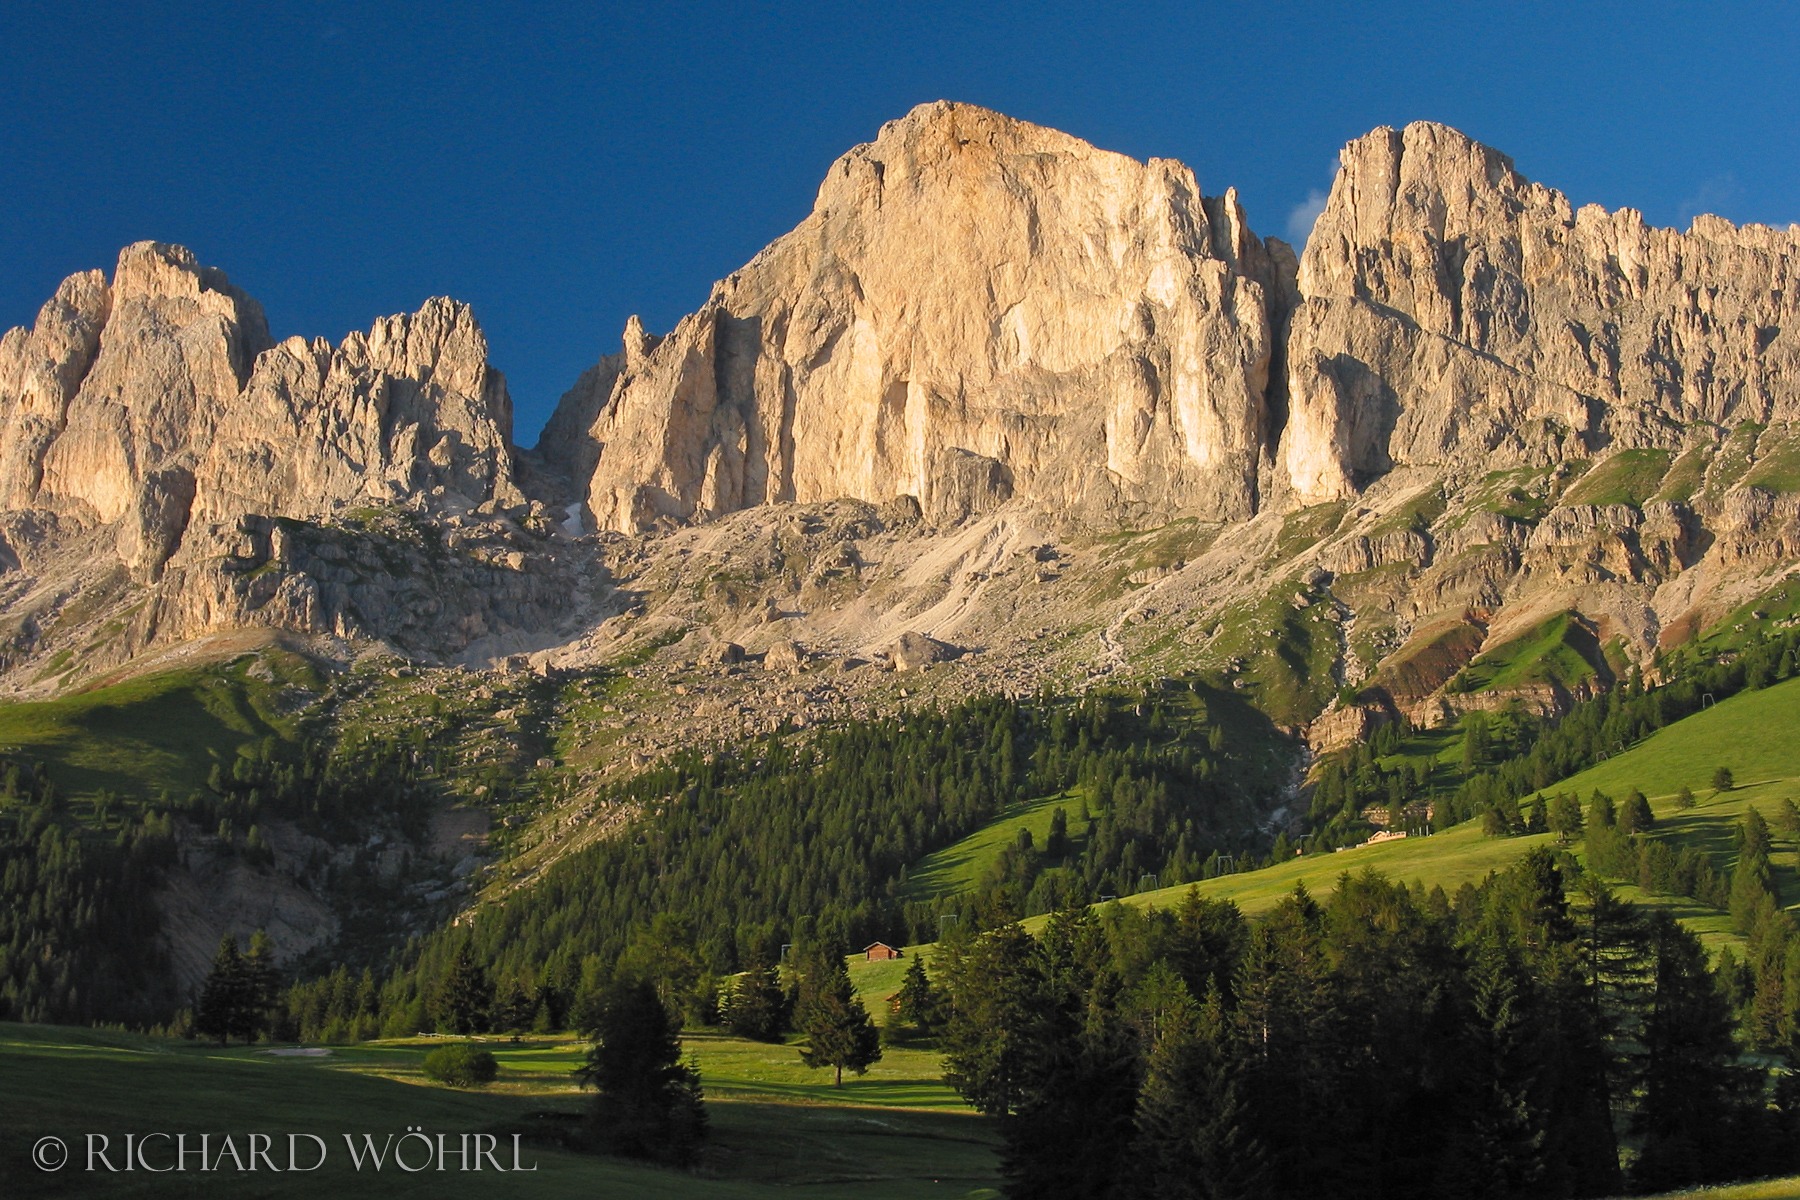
(1751, 733)
(1551, 652)
(961, 866)
(777, 1128)
(1457, 856)
(161, 731)
(1628, 477)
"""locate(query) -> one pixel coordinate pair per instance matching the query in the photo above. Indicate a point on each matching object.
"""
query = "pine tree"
(465, 995)
(995, 987)
(262, 985)
(1787, 818)
(917, 1005)
(1192, 1138)
(1694, 1095)
(514, 1008)
(1528, 909)
(1753, 836)
(224, 996)
(1498, 1151)
(1069, 1135)
(1056, 845)
(756, 1006)
(1635, 815)
(838, 1031)
(1565, 817)
(649, 1103)
(1291, 1027)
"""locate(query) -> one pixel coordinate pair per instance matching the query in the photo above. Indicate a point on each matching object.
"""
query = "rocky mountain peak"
(985, 338)
(977, 308)
(1459, 316)
(144, 403)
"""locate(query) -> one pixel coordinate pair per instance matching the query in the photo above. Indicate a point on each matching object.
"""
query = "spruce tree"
(1192, 1136)
(1497, 1149)
(1070, 1134)
(262, 985)
(514, 1008)
(1695, 1097)
(649, 1103)
(995, 986)
(465, 995)
(1527, 909)
(916, 1007)
(225, 995)
(756, 1006)
(1291, 1024)
(838, 1031)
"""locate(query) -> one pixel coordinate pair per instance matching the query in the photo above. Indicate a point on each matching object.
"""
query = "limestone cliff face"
(157, 400)
(409, 407)
(107, 400)
(976, 309)
(40, 370)
(979, 314)
(1457, 314)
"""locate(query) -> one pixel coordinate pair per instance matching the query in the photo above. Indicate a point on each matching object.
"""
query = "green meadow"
(1752, 733)
(961, 866)
(157, 732)
(778, 1129)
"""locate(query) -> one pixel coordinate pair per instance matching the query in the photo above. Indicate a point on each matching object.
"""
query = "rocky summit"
(1004, 410)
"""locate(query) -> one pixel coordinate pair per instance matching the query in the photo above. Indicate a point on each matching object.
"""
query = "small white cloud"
(1301, 219)
(1712, 196)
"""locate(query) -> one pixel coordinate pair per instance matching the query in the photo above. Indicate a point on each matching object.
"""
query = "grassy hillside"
(1777, 608)
(960, 867)
(1751, 733)
(1558, 650)
(161, 731)
(1767, 1189)
(777, 1129)
(1628, 477)
(1457, 856)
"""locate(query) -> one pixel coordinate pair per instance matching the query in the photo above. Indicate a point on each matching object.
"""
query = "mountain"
(1455, 314)
(1005, 413)
(977, 309)
(999, 392)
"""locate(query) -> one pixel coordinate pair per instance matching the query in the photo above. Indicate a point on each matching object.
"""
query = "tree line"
(78, 933)
(1510, 755)
(1530, 1037)
(735, 854)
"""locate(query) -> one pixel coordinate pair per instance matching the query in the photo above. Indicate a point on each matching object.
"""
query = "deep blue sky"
(566, 165)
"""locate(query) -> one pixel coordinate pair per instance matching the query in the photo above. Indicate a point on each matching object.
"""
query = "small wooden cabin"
(881, 952)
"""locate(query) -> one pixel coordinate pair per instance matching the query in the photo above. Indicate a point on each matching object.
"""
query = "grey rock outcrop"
(914, 651)
(409, 407)
(984, 332)
(107, 404)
